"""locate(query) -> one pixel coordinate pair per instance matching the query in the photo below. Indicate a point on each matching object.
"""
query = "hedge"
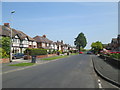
(115, 55)
(36, 52)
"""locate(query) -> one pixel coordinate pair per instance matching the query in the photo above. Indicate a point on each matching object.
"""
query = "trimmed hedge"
(35, 52)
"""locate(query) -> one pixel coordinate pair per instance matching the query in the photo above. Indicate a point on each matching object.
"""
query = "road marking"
(99, 83)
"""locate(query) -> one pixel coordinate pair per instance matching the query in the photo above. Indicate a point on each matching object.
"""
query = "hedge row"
(33, 52)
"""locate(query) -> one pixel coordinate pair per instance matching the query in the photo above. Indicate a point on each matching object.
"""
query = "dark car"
(17, 55)
(89, 52)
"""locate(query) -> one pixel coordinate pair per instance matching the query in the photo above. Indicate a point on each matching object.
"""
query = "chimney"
(62, 41)
(7, 24)
(44, 36)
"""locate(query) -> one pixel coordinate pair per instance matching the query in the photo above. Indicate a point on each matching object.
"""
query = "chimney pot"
(7, 24)
(44, 36)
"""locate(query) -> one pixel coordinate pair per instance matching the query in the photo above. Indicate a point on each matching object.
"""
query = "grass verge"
(56, 57)
(22, 64)
(74, 54)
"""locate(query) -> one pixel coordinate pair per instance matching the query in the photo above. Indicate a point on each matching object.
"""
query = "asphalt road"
(71, 72)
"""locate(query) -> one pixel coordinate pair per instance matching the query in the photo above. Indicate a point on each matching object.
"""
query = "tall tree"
(80, 41)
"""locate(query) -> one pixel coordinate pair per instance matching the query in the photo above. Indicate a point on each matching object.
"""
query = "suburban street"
(60, 45)
(71, 72)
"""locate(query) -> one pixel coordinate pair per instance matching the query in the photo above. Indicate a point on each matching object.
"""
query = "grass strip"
(56, 57)
(74, 54)
(22, 64)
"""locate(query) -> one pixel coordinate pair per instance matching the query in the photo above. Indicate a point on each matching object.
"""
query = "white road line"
(99, 84)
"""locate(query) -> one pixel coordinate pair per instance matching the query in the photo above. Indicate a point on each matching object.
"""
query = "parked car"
(89, 52)
(80, 52)
(17, 55)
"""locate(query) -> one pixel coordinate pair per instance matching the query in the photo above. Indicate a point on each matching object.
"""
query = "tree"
(96, 46)
(5, 43)
(80, 41)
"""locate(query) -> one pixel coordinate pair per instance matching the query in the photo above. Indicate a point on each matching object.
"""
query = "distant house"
(115, 44)
(43, 42)
(63, 47)
(20, 41)
(118, 39)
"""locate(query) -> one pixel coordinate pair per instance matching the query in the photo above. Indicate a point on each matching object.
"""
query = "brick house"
(43, 42)
(115, 44)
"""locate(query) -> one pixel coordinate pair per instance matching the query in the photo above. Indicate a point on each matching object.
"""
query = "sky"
(64, 20)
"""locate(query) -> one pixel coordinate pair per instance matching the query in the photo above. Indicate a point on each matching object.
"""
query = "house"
(59, 45)
(115, 44)
(20, 41)
(118, 39)
(43, 42)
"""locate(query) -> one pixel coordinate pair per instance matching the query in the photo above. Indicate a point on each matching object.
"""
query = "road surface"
(72, 72)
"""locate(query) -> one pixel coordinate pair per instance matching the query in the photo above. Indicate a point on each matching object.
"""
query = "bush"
(3, 53)
(33, 52)
(115, 55)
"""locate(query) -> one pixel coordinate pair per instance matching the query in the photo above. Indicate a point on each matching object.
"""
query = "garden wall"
(4, 60)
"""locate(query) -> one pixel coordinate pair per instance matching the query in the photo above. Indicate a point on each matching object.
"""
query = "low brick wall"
(44, 56)
(4, 60)
(49, 55)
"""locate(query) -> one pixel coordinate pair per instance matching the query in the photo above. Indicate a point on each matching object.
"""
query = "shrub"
(33, 52)
(115, 55)
(3, 53)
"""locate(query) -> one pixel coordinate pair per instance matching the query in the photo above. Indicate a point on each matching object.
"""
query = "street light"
(11, 37)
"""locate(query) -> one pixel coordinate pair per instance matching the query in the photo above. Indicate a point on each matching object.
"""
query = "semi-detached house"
(20, 41)
(45, 43)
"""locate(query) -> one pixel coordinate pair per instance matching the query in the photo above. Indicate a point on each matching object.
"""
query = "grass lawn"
(22, 64)
(73, 53)
(56, 57)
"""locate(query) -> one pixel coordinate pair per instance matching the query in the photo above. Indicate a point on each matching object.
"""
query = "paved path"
(108, 71)
(71, 72)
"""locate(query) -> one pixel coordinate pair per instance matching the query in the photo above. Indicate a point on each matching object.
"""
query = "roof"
(42, 39)
(5, 31)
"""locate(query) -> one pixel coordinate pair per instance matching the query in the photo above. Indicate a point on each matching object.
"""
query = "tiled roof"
(42, 39)
(5, 31)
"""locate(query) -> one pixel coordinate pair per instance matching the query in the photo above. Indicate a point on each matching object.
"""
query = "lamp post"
(11, 38)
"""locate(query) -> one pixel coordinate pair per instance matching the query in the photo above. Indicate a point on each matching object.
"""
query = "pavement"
(106, 71)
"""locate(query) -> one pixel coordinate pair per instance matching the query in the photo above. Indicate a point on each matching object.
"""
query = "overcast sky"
(65, 20)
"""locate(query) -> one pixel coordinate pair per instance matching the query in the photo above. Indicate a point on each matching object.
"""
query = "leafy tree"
(96, 46)
(5, 43)
(80, 41)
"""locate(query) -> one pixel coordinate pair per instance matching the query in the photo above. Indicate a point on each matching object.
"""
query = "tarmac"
(103, 69)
